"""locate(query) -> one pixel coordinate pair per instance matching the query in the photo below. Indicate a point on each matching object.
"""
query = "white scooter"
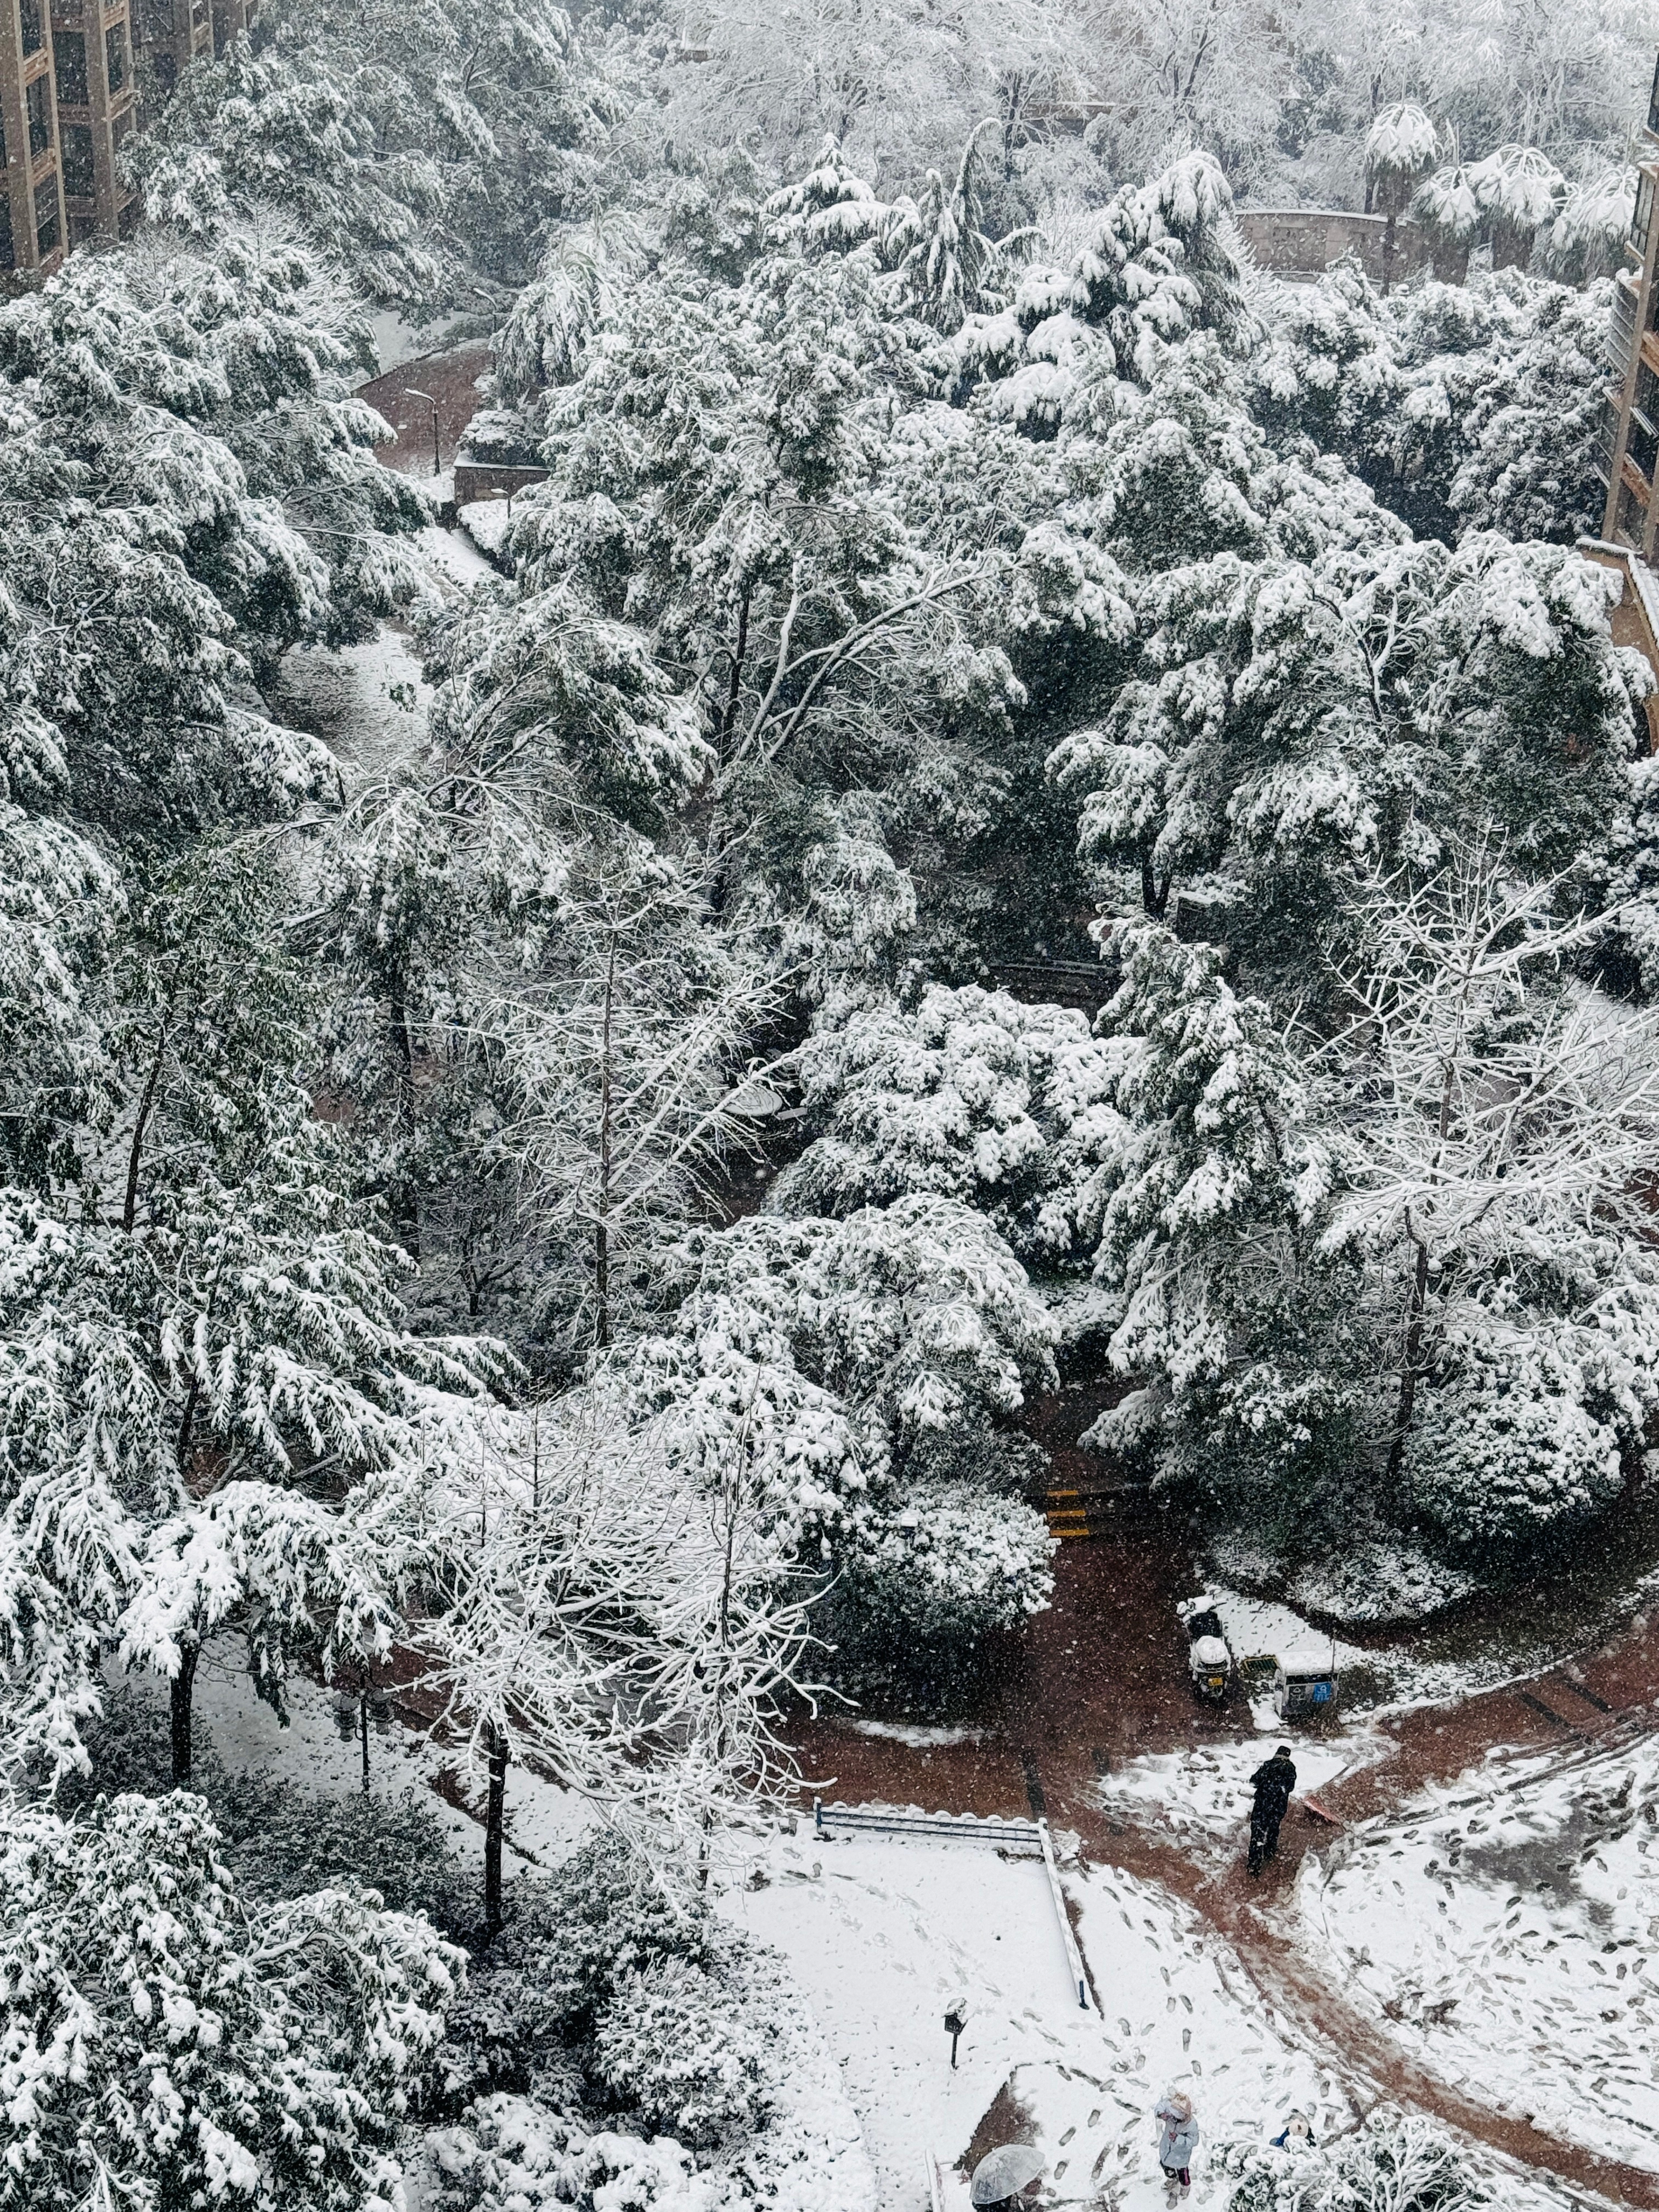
(1209, 1662)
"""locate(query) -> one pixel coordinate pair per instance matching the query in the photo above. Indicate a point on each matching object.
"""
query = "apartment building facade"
(70, 78)
(1630, 439)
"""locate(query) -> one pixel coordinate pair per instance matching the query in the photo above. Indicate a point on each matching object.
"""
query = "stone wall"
(1304, 241)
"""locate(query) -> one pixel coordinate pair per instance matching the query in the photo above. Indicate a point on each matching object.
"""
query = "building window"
(46, 217)
(8, 249)
(69, 52)
(31, 22)
(1653, 103)
(77, 161)
(156, 20)
(40, 107)
(1643, 215)
(115, 55)
(1642, 443)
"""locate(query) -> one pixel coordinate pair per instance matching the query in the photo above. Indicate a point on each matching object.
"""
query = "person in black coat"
(1273, 1781)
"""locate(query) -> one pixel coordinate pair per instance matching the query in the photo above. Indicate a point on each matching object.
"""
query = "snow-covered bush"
(1393, 2162)
(168, 2046)
(551, 1971)
(514, 2156)
(677, 2048)
(612, 1991)
(952, 1563)
(1504, 1447)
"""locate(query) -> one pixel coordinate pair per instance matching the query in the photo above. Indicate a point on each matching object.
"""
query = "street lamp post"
(437, 458)
(955, 2021)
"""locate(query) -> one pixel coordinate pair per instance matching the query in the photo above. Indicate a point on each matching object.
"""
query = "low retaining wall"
(1304, 241)
(477, 480)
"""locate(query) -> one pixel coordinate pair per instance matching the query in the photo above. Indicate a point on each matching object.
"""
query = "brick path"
(452, 379)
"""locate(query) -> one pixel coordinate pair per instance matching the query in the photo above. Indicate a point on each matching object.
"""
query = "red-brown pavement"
(1101, 1677)
(452, 379)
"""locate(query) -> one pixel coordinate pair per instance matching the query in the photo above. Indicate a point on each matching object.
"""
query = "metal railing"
(964, 1827)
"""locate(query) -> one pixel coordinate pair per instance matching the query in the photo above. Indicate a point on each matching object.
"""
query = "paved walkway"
(452, 379)
(1104, 1680)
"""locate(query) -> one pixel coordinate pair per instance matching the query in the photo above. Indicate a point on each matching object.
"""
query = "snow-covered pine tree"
(203, 1351)
(179, 2047)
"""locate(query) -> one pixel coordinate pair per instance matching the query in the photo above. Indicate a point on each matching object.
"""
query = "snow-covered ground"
(1507, 1927)
(368, 703)
(319, 1751)
(884, 1934)
(1201, 1794)
(486, 522)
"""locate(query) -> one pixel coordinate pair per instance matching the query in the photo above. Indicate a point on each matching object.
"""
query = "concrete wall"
(1304, 241)
(477, 480)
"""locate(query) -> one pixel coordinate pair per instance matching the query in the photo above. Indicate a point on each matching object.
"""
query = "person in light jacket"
(1175, 2145)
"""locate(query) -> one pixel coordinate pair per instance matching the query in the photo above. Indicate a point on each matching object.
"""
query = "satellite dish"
(1004, 2173)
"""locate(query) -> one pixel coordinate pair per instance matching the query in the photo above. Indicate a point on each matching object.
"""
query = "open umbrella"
(1004, 2172)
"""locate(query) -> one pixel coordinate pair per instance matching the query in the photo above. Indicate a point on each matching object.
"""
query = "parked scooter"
(1209, 1661)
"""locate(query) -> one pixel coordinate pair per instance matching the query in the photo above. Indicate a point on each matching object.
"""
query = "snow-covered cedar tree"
(1294, 715)
(1492, 1125)
(1157, 262)
(472, 902)
(1464, 406)
(1230, 1318)
(427, 146)
(200, 464)
(212, 1403)
(948, 265)
(973, 1096)
(624, 1089)
(168, 2046)
(815, 651)
(865, 1363)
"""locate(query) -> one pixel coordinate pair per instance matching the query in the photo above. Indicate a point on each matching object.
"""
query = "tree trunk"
(406, 1208)
(1154, 896)
(1413, 1354)
(362, 1724)
(179, 1698)
(135, 1152)
(495, 1818)
(602, 1220)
